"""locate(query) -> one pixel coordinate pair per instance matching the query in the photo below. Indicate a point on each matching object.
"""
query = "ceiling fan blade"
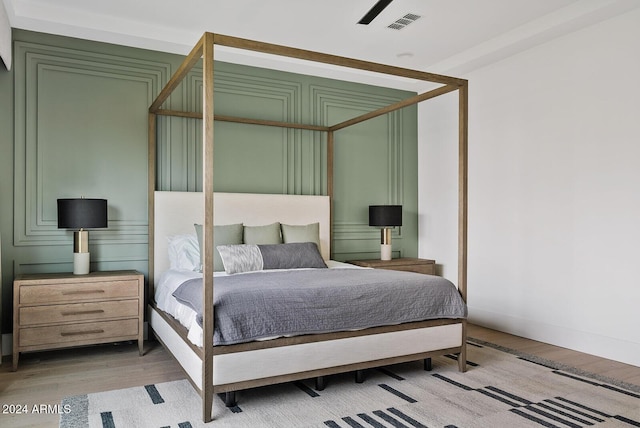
(375, 11)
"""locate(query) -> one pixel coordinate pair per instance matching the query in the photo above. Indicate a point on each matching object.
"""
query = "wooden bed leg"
(230, 399)
(462, 361)
(359, 376)
(462, 356)
(427, 364)
(321, 383)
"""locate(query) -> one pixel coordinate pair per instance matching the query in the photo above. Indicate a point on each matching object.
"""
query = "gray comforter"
(258, 305)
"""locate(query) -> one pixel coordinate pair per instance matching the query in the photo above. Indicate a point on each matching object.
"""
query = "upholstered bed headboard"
(176, 213)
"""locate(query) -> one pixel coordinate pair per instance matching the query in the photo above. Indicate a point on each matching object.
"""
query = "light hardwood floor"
(48, 377)
(590, 363)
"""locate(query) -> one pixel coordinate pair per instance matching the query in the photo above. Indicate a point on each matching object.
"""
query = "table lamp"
(81, 214)
(386, 217)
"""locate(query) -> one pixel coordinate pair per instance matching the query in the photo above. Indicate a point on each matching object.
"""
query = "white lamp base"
(385, 251)
(80, 263)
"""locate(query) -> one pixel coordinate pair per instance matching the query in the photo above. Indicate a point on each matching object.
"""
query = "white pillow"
(184, 252)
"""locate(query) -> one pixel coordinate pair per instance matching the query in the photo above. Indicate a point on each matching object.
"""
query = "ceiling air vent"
(400, 23)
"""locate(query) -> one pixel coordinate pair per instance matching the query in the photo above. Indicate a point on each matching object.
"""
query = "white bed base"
(307, 357)
(176, 212)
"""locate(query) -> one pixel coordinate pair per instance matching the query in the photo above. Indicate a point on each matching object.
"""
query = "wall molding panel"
(386, 187)
(53, 134)
(242, 95)
(301, 155)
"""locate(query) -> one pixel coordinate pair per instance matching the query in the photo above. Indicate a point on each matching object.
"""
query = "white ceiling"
(452, 36)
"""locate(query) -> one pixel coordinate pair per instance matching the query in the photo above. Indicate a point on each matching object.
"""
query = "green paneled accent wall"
(73, 120)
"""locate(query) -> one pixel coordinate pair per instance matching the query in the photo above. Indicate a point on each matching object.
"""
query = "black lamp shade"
(385, 215)
(82, 213)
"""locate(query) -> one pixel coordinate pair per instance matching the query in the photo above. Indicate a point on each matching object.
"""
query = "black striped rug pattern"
(499, 389)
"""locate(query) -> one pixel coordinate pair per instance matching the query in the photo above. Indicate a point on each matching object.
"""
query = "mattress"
(267, 304)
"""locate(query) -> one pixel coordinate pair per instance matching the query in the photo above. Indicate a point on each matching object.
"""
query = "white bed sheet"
(170, 280)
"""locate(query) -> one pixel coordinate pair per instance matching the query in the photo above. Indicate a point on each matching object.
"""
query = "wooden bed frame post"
(463, 161)
(330, 148)
(151, 186)
(207, 271)
(463, 126)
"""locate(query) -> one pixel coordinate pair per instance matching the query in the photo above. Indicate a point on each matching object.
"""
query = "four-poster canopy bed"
(234, 367)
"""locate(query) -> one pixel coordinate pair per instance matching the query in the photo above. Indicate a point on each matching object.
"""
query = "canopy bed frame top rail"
(204, 49)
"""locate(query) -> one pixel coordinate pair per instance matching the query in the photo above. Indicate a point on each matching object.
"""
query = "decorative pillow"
(241, 258)
(301, 233)
(251, 257)
(184, 253)
(267, 234)
(297, 255)
(222, 235)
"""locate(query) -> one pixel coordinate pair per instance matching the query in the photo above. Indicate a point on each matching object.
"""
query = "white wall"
(554, 191)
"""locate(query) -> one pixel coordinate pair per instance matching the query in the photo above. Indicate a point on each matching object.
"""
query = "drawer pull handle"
(77, 333)
(69, 293)
(95, 311)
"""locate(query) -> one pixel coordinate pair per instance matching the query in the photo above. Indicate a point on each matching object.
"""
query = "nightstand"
(409, 264)
(62, 310)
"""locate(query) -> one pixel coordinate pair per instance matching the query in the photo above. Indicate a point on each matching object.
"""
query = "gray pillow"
(292, 256)
(267, 234)
(222, 235)
(251, 257)
(301, 233)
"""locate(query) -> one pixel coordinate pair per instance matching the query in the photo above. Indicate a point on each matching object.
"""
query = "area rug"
(501, 388)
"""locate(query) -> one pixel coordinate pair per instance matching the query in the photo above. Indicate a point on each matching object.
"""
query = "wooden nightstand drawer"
(84, 332)
(34, 315)
(62, 310)
(75, 292)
